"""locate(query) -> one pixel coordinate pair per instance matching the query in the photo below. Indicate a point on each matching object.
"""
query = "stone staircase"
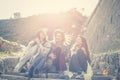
(51, 76)
(7, 65)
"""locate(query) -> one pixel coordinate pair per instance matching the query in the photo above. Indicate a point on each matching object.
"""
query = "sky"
(34, 7)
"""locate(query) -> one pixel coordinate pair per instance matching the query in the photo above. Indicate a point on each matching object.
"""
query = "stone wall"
(8, 64)
(103, 32)
(108, 61)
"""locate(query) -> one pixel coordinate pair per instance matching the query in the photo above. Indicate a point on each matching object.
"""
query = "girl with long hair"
(59, 52)
(39, 60)
(79, 56)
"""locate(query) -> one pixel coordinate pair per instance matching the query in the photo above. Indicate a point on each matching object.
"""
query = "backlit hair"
(39, 32)
(60, 32)
(84, 45)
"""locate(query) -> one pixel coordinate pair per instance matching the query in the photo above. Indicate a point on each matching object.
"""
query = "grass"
(3, 54)
(13, 54)
(12, 43)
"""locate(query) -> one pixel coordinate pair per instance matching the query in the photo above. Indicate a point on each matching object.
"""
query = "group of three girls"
(43, 55)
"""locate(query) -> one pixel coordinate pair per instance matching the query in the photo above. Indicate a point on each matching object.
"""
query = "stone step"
(3, 79)
(102, 77)
(50, 77)
(43, 75)
(13, 77)
(16, 73)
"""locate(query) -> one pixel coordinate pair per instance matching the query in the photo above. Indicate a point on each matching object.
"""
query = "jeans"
(36, 65)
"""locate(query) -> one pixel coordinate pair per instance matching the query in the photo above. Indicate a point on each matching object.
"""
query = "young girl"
(79, 56)
(39, 60)
(59, 52)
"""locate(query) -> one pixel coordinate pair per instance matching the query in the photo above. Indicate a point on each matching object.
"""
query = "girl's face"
(79, 41)
(58, 37)
(42, 36)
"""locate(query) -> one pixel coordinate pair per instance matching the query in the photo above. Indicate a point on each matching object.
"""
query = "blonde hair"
(60, 32)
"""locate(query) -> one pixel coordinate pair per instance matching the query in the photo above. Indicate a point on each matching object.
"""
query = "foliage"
(24, 29)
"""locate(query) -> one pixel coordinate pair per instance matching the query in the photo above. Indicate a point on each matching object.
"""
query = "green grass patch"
(3, 54)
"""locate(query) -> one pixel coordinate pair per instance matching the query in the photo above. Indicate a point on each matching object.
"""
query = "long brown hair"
(84, 45)
(41, 31)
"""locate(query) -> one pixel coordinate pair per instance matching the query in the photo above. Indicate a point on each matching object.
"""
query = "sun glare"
(33, 7)
(57, 6)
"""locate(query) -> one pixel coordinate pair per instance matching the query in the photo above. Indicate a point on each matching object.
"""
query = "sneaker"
(78, 76)
(74, 76)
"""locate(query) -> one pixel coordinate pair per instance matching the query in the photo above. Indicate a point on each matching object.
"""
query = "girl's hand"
(84, 50)
(52, 56)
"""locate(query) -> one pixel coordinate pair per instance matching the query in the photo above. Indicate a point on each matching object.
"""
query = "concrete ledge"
(12, 77)
(50, 77)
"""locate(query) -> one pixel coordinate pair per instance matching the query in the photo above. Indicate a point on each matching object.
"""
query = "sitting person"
(30, 51)
(79, 57)
(41, 57)
(59, 52)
